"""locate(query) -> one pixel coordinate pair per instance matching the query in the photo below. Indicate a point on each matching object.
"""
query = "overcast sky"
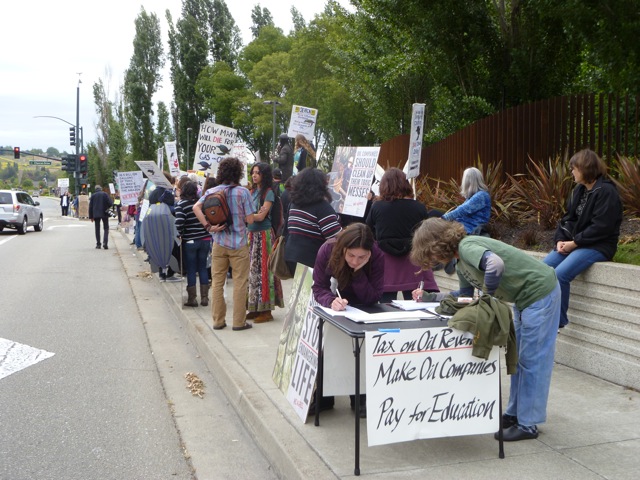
(46, 43)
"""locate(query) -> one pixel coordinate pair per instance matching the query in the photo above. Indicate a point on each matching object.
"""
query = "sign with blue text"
(424, 383)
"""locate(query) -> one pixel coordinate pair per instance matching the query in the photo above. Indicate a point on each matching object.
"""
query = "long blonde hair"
(301, 141)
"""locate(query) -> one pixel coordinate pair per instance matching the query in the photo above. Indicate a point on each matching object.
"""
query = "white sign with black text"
(424, 383)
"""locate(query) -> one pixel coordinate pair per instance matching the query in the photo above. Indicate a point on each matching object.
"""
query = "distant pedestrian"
(99, 204)
(64, 203)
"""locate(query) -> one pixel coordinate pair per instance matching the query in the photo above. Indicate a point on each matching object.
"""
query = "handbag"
(277, 264)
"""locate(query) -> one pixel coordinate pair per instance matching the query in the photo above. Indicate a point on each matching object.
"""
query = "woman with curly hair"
(393, 217)
(304, 154)
(265, 290)
(513, 276)
(311, 220)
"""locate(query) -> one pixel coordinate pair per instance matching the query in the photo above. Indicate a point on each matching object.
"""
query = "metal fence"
(606, 123)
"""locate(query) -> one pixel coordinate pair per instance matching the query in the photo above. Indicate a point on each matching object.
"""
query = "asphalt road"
(112, 401)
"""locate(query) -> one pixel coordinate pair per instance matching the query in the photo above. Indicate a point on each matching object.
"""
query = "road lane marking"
(17, 356)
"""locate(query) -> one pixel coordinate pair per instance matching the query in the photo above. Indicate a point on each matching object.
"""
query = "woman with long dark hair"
(311, 220)
(265, 290)
(356, 263)
(196, 242)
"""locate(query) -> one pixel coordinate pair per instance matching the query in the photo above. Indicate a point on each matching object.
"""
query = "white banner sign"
(424, 383)
(153, 173)
(415, 140)
(214, 144)
(160, 157)
(172, 155)
(361, 175)
(63, 183)
(130, 184)
(303, 120)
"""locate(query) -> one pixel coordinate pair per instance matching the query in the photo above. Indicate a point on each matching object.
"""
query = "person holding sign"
(304, 155)
(513, 276)
(349, 269)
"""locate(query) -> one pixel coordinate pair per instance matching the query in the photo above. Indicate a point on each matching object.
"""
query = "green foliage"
(543, 191)
(628, 250)
(261, 17)
(142, 79)
(627, 179)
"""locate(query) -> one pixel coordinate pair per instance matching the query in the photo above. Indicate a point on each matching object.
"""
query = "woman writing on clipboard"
(349, 269)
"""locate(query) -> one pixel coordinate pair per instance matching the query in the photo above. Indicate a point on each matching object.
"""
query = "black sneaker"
(98, 246)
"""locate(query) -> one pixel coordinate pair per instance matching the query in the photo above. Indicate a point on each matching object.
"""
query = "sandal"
(246, 326)
(219, 327)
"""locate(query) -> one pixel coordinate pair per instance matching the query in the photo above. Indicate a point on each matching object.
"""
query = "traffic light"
(16, 153)
(83, 164)
(72, 136)
(69, 163)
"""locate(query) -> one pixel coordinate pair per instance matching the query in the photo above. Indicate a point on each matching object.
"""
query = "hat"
(283, 136)
(277, 173)
(98, 188)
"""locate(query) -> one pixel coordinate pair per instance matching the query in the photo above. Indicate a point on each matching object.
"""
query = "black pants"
(96, 223)
(65, 211)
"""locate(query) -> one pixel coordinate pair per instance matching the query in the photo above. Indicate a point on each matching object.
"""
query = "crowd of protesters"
(389, 251)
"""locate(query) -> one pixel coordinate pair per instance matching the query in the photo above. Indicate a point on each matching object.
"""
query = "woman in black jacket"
(590, 229)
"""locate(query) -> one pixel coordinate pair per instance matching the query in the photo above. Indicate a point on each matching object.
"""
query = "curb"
(291, 455)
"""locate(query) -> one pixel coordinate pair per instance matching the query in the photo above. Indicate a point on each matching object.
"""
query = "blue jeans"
(569, 267)
(137, 237)
(195, 257)
(536, 331)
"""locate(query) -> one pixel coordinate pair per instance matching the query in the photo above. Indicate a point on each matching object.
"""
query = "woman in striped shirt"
(196, 242)
(311, 219)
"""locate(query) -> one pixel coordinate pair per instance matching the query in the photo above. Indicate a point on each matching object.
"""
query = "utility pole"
(79, 147)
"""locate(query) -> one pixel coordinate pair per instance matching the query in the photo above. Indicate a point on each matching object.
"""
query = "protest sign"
(303, 120)
(130, 184)
(415, 140)
(350, 178)
(424, 383)
(297, 358)
(160, 157)
(153, 173)
(242, 152)
(63, 183)
(214, 144)
(172, 155)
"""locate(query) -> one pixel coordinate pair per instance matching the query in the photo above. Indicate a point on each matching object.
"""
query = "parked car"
(35, 193)
(19, 211)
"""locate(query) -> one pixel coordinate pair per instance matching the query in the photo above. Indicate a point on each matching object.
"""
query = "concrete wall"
(603, 336)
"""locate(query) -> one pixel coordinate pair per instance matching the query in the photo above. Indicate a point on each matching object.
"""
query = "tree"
(164, 132)
(261, 17)
(142, 79)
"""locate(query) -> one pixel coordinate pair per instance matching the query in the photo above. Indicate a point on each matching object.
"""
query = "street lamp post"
(275, 103)
(189, 129)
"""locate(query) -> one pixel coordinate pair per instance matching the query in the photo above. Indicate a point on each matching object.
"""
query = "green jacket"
(491, 322)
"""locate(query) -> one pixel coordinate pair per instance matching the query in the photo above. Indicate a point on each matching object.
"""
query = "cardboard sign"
(424, 383)
(303, 121)
(350, 179)
(172, 155)
(130, 184)
(153, 173)
(415, 140)
(214, 144)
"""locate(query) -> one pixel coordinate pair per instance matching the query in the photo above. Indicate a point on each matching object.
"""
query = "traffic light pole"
(76, 174)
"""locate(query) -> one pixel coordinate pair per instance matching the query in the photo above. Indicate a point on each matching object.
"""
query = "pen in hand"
(339, 303)
(417, 293)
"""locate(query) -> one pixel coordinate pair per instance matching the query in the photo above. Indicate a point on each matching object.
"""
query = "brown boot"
(204, 295)
(192, 300)
(263, 317)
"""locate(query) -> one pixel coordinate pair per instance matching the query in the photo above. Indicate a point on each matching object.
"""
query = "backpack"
(216, 208)
(277, 218)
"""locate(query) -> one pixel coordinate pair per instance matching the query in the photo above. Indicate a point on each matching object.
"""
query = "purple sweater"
(366, 286)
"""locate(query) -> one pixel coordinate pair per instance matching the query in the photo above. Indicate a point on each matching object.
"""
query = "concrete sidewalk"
(592, 430)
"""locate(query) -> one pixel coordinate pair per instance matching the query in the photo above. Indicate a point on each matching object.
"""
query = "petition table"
(408, 360)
